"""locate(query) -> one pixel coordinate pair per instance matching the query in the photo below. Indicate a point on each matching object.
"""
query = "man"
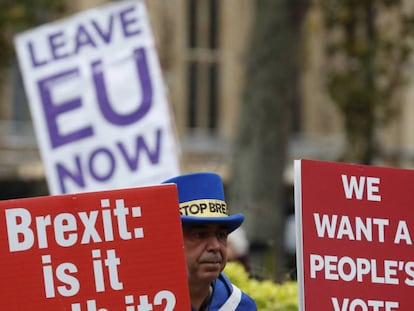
(206, 224)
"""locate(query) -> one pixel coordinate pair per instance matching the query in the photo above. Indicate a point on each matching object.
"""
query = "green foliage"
(368, 48)
(19, 15)
(269, 296)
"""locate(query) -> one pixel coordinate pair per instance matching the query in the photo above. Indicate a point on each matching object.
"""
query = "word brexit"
(25, 231)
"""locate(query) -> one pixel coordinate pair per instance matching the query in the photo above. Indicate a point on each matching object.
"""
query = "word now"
(361, 305)
(23, 231)
(104, 162)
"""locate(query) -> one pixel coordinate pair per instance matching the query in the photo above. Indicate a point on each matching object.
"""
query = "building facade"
(201, 47)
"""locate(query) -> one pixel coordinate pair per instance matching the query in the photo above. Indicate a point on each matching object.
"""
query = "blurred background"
(252, 85)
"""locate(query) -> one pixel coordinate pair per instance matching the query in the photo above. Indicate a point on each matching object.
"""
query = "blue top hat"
(201, 198)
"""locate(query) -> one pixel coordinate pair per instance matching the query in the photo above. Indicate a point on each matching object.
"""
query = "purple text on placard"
(53, 110)
(102, 163)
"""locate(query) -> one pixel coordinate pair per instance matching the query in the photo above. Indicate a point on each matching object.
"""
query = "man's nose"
(213, 242)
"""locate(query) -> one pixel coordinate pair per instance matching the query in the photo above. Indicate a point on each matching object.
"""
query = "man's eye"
(221, 236)
(200, 235)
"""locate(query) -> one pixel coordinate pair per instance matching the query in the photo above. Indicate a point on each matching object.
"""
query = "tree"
(19, 15)
(368, 47)
(272, 71)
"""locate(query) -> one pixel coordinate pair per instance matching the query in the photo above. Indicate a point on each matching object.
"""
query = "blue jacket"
(227, 297)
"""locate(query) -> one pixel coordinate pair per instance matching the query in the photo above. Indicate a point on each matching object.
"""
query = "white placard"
(97, 99)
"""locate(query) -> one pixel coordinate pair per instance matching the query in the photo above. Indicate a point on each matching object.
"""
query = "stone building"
(201, 46)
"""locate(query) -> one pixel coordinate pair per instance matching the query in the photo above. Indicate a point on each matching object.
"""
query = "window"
(203, 70)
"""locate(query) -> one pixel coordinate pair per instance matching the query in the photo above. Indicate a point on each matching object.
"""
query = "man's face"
(206, 251)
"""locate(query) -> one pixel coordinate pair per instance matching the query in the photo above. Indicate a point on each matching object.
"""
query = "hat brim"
(231, 222)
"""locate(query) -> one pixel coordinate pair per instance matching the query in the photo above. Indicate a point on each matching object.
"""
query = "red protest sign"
(101, 251)
(355, 227)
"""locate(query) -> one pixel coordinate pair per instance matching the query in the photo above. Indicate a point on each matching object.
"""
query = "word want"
(368, 229)
(86, 227)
